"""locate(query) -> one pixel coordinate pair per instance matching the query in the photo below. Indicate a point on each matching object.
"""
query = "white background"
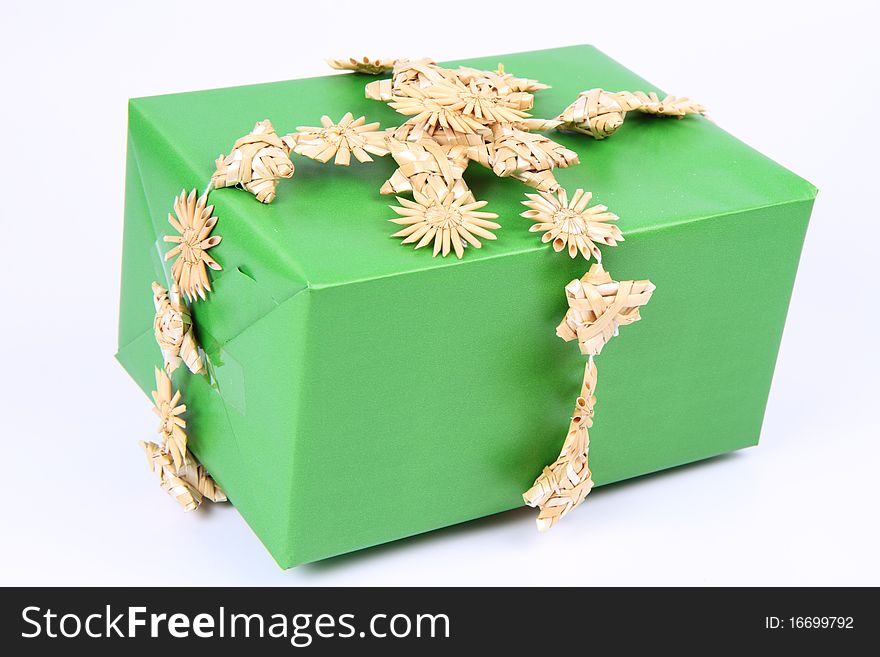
(796, 80)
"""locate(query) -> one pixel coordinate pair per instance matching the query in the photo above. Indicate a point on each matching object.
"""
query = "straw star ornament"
(571, 224)
(482, 101)
(446, 221)
(678, 107)
(339, 140)
(365, 65)
(431, 109)
(499, 79)
(172, 327)
(598, 306)
(171, 426)
(256, 163)
(425, 166)
(194, 224)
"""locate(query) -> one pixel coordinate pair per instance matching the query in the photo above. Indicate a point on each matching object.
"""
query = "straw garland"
(598, 305)
(455, 116)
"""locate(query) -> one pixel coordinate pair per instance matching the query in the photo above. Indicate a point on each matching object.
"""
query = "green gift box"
(359, 391)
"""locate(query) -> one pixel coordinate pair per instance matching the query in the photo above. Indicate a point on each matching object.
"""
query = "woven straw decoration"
(365, 65)
(482, 111)
(650, 103)
(256, 163)
(428, 111)
(598, 305)
(189, 484)
(415, 72)
(180, 473)
(503, 82)
(194, 223)
(339, 140)
(513, 151)
(425, 165)
(482, 101)
(172, 327)
(597, 113)
(571, 224)
(171, 425)
(448, 221)
(565, 483)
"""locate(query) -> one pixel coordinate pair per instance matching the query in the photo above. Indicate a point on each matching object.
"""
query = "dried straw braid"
(425, 165)
(189, 484)
(365, 65)
(172, 327)
(598, 305)
(538, 125)
(542, 181)
(565, 483)
(255, 163)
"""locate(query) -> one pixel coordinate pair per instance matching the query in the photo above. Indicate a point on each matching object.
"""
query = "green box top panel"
(328, 225)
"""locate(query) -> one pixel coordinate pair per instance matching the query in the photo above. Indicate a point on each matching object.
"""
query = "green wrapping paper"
(359, 391)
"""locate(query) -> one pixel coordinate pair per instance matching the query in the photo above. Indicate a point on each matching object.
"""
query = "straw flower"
(349, 136)
(194, 223)
(668, 106)
(572, 224)
(431, 108)
(365, 65)
(503, 82)
(171, 425)
(482, 101)
(447, 221)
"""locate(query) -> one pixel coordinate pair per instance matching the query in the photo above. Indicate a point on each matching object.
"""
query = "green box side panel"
(260, 380)
(436, 397)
